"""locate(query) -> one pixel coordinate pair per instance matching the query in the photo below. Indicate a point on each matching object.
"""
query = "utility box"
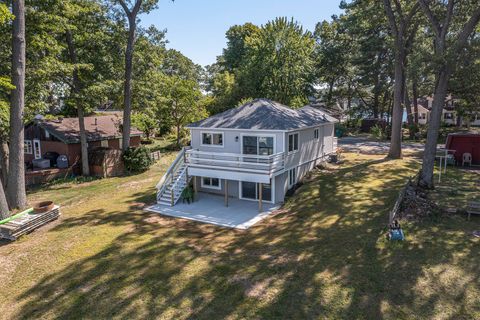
(41, 163)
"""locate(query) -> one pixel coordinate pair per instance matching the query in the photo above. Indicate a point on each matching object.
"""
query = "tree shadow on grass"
(324, 257)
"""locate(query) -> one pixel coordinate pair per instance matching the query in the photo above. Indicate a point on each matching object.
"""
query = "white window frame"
(212, 133)
(258, 135)
(294, 171)
(39, 149)
(29, 145)
(272, 189)
(206, 186)
(288, 142)
(316, 134)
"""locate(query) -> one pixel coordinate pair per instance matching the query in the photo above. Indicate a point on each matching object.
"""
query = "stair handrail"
(174, 191)
(161, 185)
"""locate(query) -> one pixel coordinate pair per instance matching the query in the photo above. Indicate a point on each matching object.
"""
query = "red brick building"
(63, 136)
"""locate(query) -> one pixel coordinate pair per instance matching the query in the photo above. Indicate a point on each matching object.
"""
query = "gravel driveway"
(366, 145)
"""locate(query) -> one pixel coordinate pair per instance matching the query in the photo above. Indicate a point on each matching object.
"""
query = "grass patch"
(324, 256)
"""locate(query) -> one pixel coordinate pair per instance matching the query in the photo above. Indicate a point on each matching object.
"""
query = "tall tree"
(451, 31)
(76, 88)
(400, 22)
(5, 84)
(139, 6)
(281, 63)
(17, 197)
(182, 99)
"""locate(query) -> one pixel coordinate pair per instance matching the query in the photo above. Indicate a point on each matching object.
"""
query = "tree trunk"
(395, 151)
(178, 134)
(78, 104)
(415, 100)
(408, 107)
(4, 162)
(127, 97)
(426, 174)
(4, 212)
(375, 104)
(16, 194)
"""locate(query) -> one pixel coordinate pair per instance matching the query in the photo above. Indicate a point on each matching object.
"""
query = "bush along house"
(255, 152)
(56, 143)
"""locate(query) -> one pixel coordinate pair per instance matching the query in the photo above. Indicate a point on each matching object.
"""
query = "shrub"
(137, 159)
(377, 132)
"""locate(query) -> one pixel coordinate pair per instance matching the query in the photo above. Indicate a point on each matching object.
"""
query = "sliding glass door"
(251, 191)
(257, 145)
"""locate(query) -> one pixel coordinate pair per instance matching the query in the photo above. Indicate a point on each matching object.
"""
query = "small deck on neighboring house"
(208, 208)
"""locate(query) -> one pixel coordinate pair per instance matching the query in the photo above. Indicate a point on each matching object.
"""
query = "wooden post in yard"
(225, 182)
(260, 187)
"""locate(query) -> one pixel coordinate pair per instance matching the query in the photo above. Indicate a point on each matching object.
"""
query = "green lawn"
(324, 256)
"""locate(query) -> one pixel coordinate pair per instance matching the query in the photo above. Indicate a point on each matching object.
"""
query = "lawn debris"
(416, 205)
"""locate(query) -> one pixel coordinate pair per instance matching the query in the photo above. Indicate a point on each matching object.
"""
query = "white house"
(449, 115)
(256, 152)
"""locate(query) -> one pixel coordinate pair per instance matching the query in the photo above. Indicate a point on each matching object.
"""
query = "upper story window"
(260, 145)
(448, 116)
(293, 142)
(315, 134)
(422, 116)
(27, 147)
(214, 139)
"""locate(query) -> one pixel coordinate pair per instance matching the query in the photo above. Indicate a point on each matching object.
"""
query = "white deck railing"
(236, 162)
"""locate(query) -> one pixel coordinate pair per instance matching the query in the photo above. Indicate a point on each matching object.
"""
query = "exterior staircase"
(172, 184)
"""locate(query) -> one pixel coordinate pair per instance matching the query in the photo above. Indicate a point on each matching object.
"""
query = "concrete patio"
(208, 208)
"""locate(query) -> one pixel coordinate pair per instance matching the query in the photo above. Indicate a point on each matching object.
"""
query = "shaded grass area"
(164, 144)
(324, 256)
(458, 186)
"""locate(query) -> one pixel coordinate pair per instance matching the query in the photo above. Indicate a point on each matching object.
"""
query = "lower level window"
(292, 177)
(211, 183)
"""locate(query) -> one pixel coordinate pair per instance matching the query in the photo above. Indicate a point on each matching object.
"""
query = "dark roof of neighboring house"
(264, 114)
(97, 128)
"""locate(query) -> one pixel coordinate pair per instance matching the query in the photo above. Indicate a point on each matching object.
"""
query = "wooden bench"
(473, 208)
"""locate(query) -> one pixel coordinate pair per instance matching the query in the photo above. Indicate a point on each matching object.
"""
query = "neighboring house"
(449, 115)
(257, 152)
(63, 136)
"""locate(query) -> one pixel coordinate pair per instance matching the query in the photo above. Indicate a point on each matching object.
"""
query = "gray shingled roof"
(264, 114)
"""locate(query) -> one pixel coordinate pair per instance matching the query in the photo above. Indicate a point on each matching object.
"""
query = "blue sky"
(197, 27)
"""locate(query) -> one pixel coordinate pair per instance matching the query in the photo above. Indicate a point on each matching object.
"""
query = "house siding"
(71, 150)
(230, 145)
(309, 148)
